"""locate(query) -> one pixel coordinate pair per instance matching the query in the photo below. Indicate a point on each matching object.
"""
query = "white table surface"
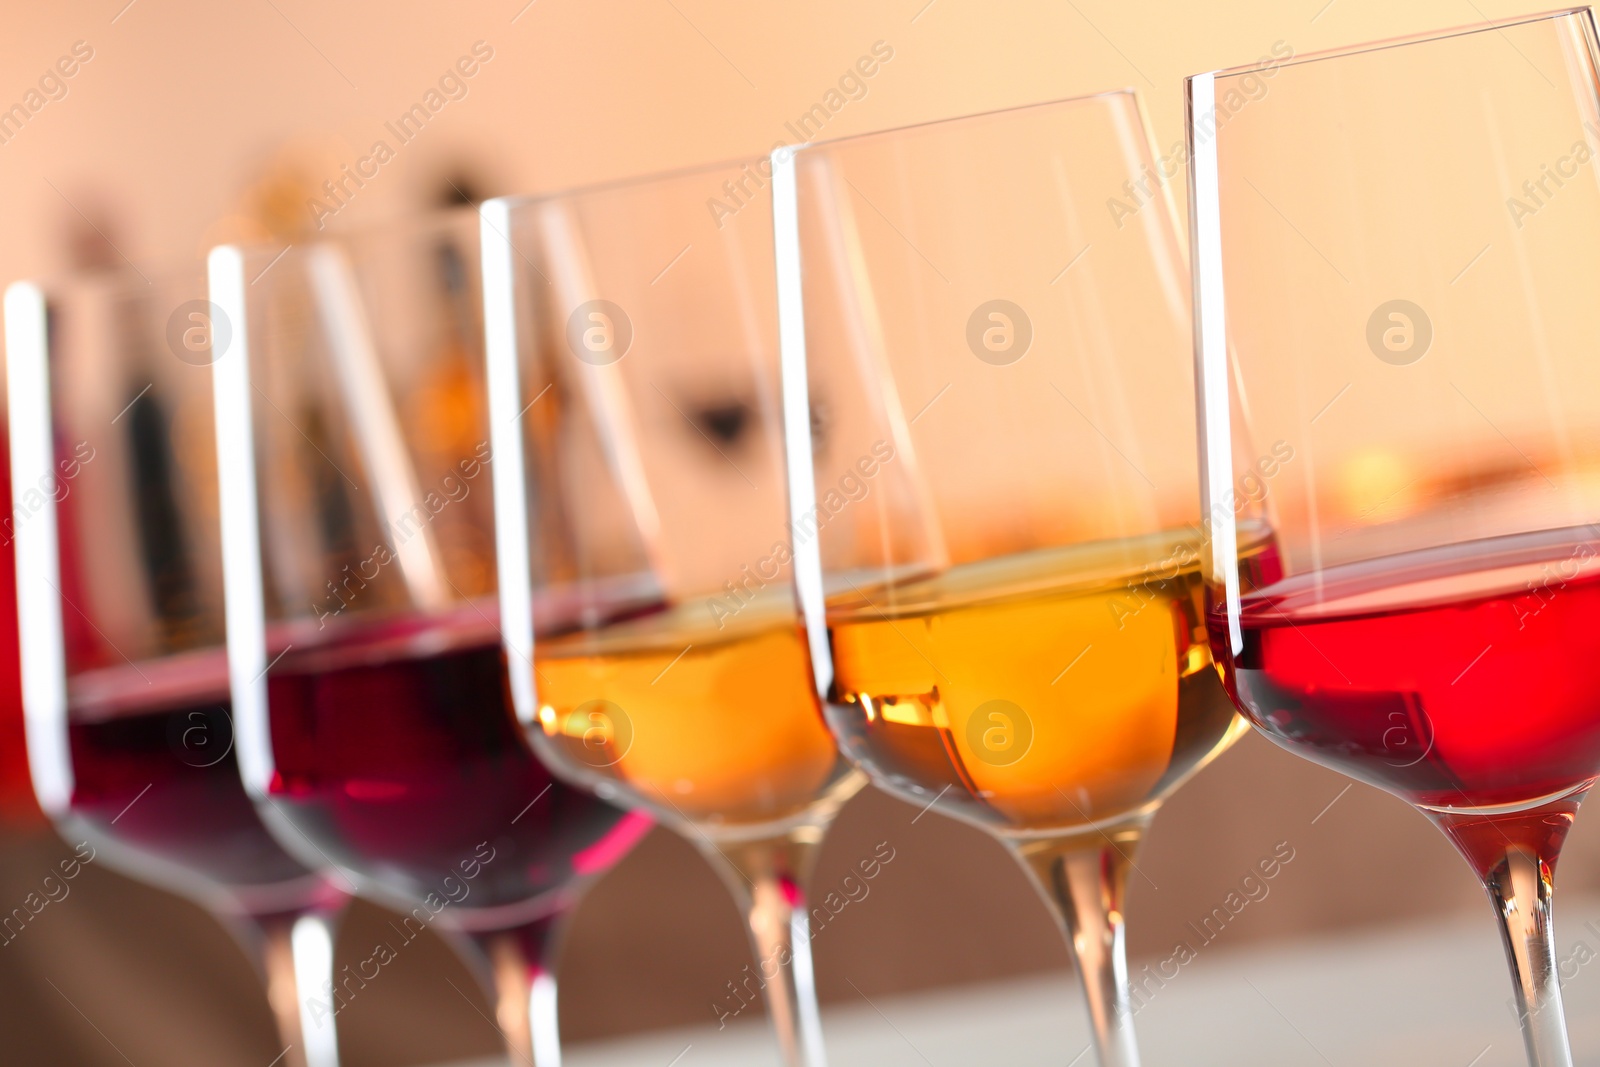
(1435, 995)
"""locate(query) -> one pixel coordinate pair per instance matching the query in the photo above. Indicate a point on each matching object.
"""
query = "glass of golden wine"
(647, 599)
(990, 433)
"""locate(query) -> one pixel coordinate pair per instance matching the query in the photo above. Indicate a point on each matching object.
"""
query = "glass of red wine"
(1396, 250)
(129, 731)
(374, 723)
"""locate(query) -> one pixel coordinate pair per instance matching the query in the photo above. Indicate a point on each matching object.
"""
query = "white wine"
(720, 725)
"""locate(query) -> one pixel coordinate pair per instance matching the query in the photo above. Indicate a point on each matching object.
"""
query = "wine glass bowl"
(389, 777)
(1428, 474)
(682, 641)
(1365, 670)
(1393, 246)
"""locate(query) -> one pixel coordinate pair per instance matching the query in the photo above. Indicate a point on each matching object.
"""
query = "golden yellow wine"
(720, 725)
(1040, 691)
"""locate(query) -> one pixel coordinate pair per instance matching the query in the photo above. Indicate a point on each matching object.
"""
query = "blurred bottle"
(446, 411)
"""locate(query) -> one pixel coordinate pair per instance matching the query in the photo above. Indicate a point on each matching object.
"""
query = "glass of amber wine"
(1396, 250)
(988, 394)
(647, 600)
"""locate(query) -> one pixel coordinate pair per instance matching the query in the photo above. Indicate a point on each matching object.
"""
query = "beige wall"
(184, 99)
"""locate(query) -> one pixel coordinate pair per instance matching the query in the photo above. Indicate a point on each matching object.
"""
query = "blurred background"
(184, 124)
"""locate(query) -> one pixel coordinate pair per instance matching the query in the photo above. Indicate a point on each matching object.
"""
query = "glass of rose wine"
(129, 729)
(366, 668)
(1396, 250)
(988, 405)
(633, 365)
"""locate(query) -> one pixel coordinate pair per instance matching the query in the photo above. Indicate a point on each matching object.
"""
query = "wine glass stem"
(1521, 891)
(765, 877)
(1515, 854)
(1084, 879)
(526, 1008)
(297, 957)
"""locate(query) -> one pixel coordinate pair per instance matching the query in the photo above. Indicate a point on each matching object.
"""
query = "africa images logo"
(599, 332)
(999, 332)
(1399, 332)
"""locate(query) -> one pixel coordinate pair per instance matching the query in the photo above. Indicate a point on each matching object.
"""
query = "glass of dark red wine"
(1396, 252)
(647, 584)
(374, 723)
(129, 729)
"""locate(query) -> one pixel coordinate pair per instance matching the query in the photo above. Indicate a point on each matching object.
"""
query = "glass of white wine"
(989, 401)
(647, 597)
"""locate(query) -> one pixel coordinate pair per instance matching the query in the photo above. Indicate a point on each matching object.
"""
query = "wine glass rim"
(431, 218)
(1425, 37)
(520, 200)
(513, 201)
(1038, 105)
(140, 274)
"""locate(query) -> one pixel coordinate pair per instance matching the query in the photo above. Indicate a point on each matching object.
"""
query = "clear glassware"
(130, 736)
(656, 651)
(374, 727)
(1396, 248)
(989, 402)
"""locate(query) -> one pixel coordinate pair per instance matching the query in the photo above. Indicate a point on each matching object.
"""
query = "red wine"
(156, 780)
(1465, 678)
(397, 753)
(16, 793)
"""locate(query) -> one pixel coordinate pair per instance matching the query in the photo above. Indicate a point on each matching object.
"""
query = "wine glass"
(639, 482)
(989, 402)
(374, 727)
(1396, 247)
(129, 733)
